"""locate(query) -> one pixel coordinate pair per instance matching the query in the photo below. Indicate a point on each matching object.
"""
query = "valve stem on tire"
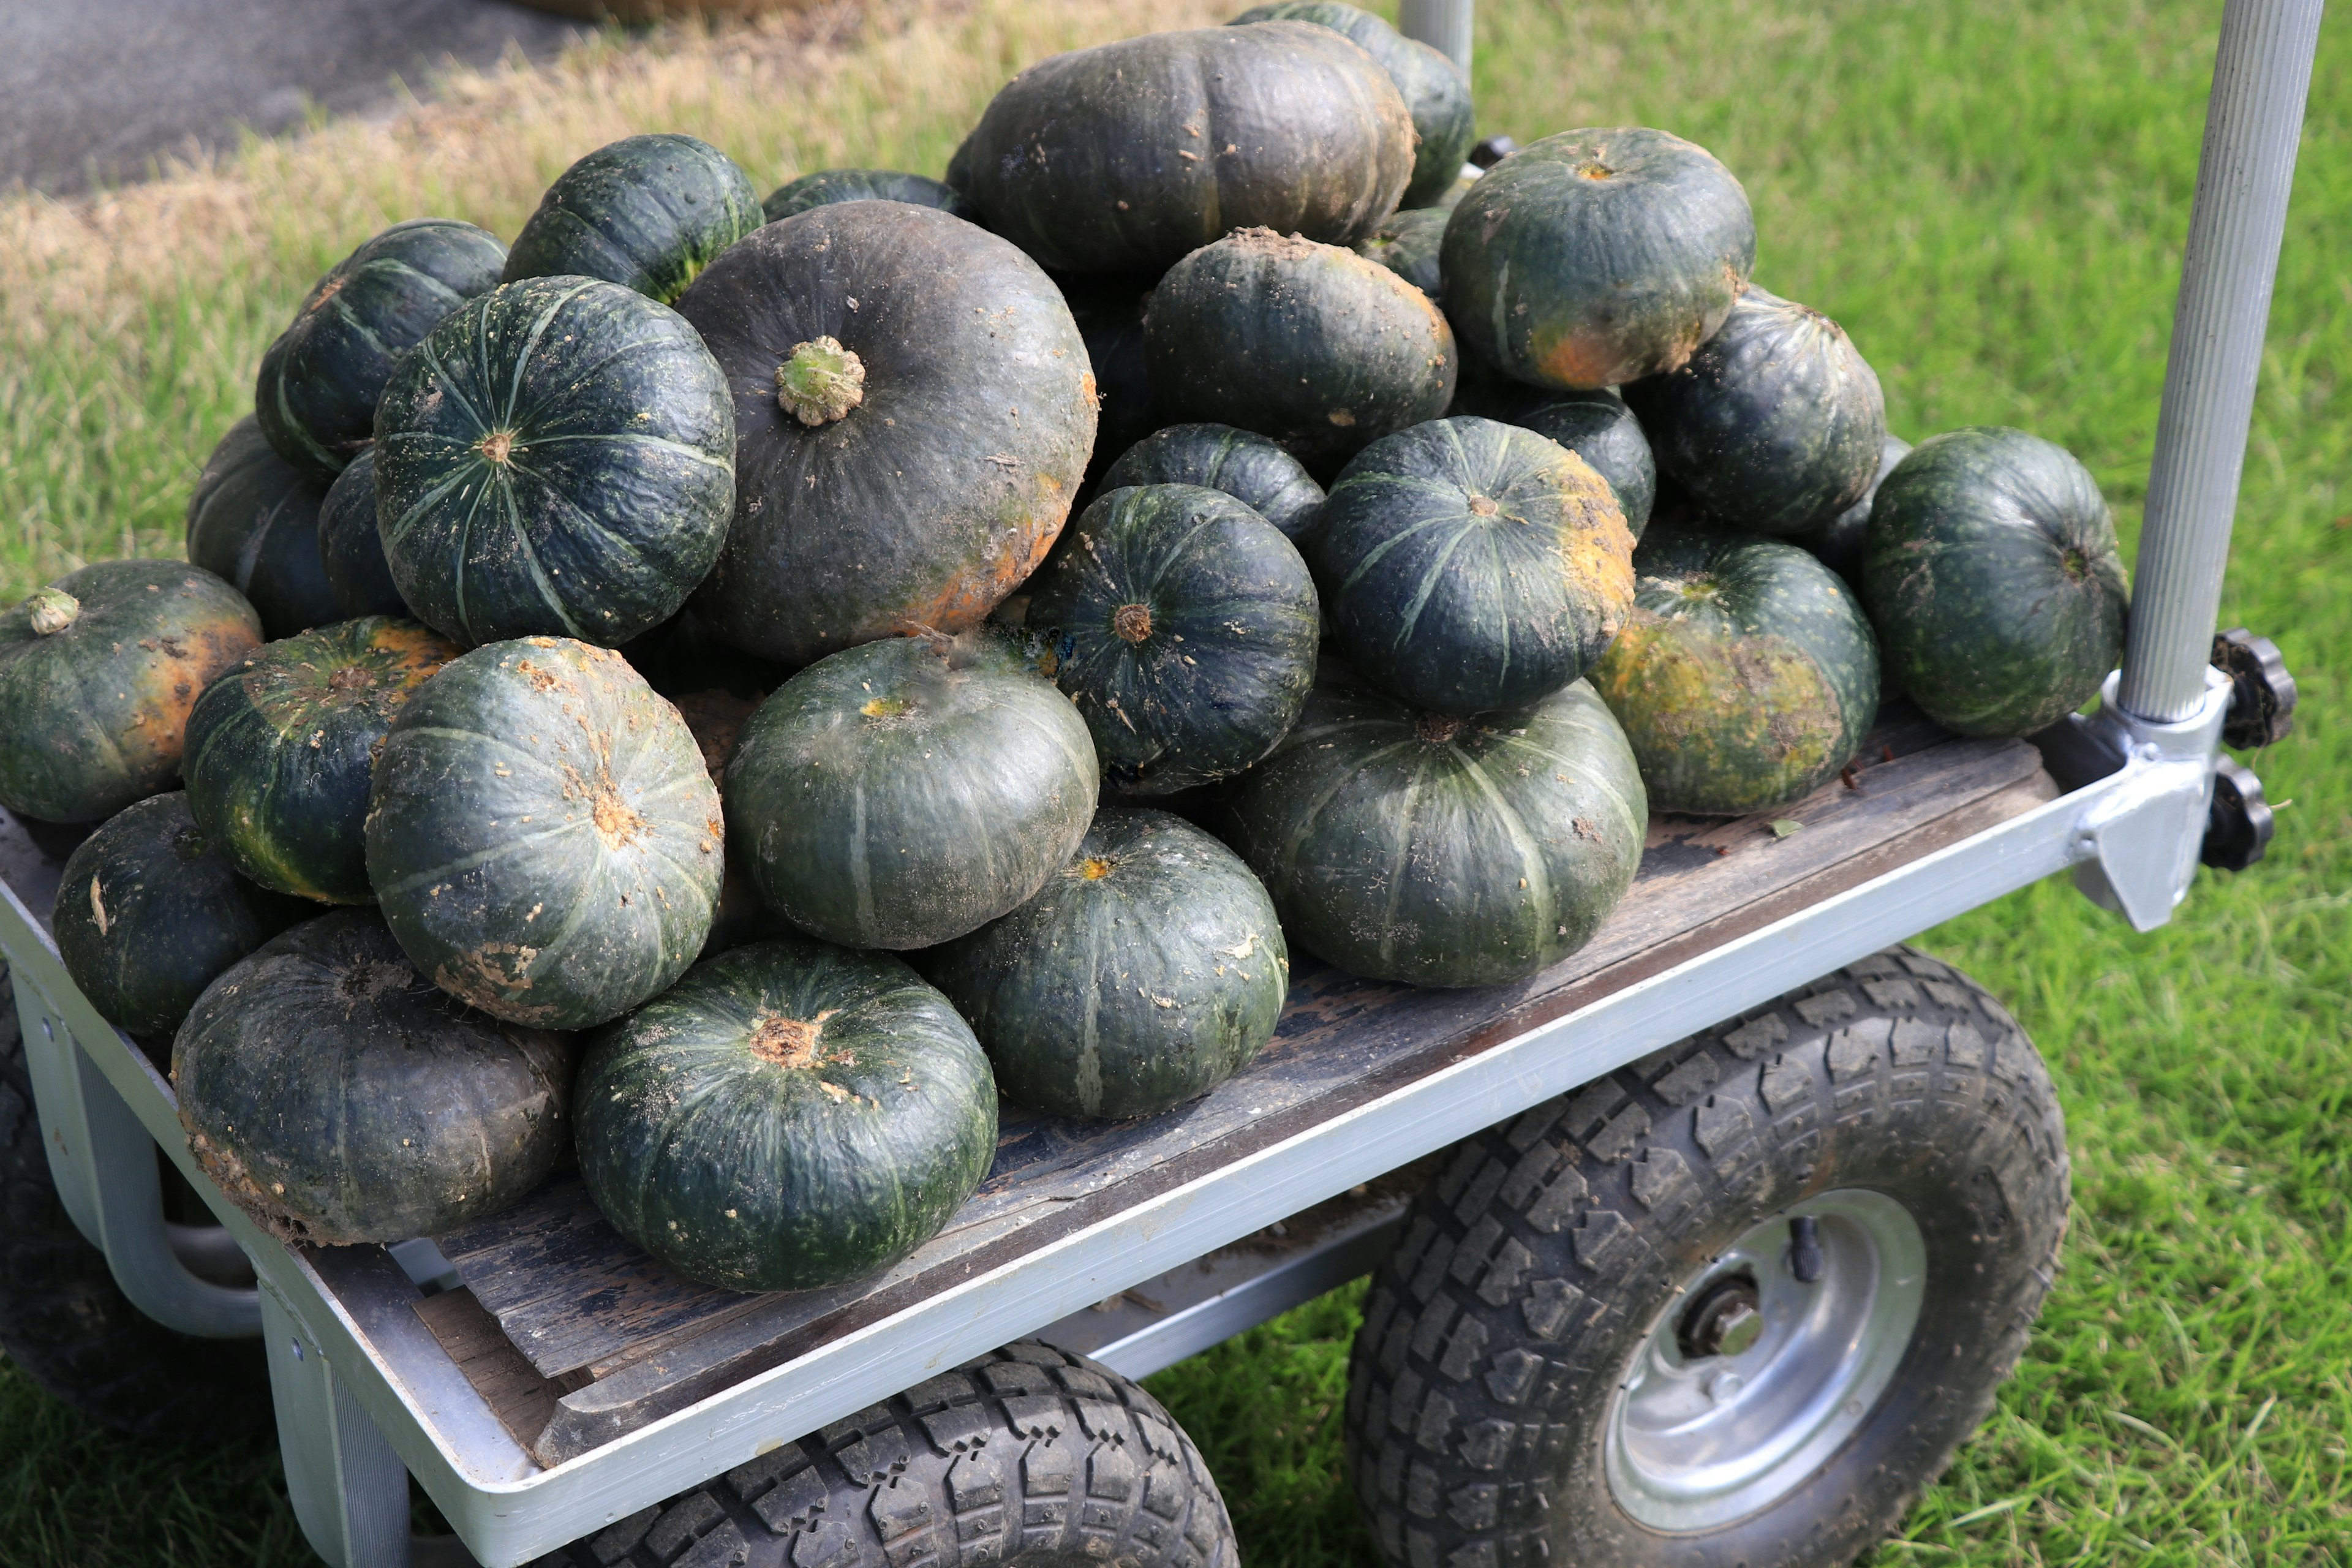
(1805, 1249)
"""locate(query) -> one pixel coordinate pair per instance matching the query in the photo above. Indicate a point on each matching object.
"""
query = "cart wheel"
(1734, 1304)
(65, 1324)
(1025, 1459)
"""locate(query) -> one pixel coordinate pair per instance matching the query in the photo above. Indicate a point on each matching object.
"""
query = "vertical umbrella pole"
(1443, 25)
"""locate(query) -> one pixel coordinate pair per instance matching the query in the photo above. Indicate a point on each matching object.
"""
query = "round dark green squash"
(1408, 245)
(1598, 428)
(321, 379)
(336, 1096)
(253, 521)
(823, 186)
(97, 672)
(280, 749)
(148, 911)
(1250, 467)
(904, 792)
(1595, 257)
(1838, 542)
(556, 459)
(1746, 676)
(1317, 346)
(1182, 627)
(351, 548)
(1403, 845)
(1145, 972)
(542, 836)
(1127, 156)
(1468, 565)
(1991, 572)
(648, 213)
(914, 412)
(1110, 314)
(791, 1114)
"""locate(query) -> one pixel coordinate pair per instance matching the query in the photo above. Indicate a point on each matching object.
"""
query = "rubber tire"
(1529, 1271)
(67, 1325)
(1027, 1457)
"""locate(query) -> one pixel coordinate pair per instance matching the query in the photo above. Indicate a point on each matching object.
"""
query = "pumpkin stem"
(1094, 868)
(498, 445)
(1132, 622)
(821, 382)
(53, 610)
(788, 1042)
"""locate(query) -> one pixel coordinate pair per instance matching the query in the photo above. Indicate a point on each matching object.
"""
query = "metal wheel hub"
(1752, 1377)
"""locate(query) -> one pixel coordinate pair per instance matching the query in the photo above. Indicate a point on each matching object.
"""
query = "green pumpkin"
(279, 752)
(253, 522)
(555, 458)
(1316, 346)
(1991, 572)
(1468, 565)
(1595, 257)
(1145, 972)
(1127, 156)
(1247, 466)
(350, 547)
(901, 792)
(791, 1114)
(337, 1098)
(1746, 676)
(1434, 90)
(913, 413)
(1408, 245)
(97, 672)
(320, 381)
(814, 190)
(1838, 541)
(1598, 428)
(148, 911)
(648, 213)
(1403, 845)
(542, 836)
(1110, 314)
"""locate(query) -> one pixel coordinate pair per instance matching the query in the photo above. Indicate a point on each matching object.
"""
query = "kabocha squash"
(1775, 424)
(1838, 541)
(1247, 466)
(542, 836)
(320, 381)
(1127, 156)
(913, 411)
(1314, 345)
(97, 672)
(555, 458)
(336, 1096)
(1110, 314)
(789, 1115)
(1468, 565)
(1598, 428)
(148, 911)
(1404, 845)
(1182, 625)
(814, 190)
(1436, 94)
(279, 752)
(1595, 257)
(349, 548)
(253, 521)
(1408, 245)
(648, 213)
(1991, 572)
(901, 792)
(1145, 972)
(1746, 676)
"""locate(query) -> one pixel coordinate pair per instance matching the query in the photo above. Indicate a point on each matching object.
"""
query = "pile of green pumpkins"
(719, 690)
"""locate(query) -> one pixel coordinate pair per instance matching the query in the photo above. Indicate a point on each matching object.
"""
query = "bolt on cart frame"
(369, 1393)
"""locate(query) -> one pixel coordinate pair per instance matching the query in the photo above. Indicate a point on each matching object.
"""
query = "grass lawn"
(1991, 196)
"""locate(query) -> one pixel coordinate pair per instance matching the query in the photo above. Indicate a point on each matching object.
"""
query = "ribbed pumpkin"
(1468, 565)
(336, 1096)
(279, 752)
(648, 213)
(320, 381)
(1249, 467)
(555, 458)
(542, 836)
(913, 411)
(901, 792)
(1595, 257)
(1746, 676)
(1409, 245)
(1838, 541)
(1145, 972)
(97, 672)
(1403, 845)
(1126, 156)
(1110, 314)
(148, 911)
(791, 1114)
(1991, 572)
(1182, 625)
(1598, 428)
(351, 548)
(253, 522)
(814, 190)
(1311, 344)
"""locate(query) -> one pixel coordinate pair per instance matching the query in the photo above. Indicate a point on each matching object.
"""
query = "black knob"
(2261, 693)
(2238, 828)
(1492, 151)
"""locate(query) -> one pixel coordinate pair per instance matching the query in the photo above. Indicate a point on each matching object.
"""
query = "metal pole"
(1442, 24)
(2262, 74)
